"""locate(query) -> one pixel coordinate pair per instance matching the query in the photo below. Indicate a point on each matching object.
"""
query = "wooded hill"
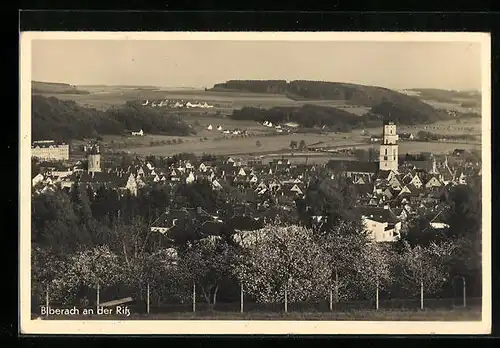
(348, 93)
(310, 116)
(57, 119)
(385, 104)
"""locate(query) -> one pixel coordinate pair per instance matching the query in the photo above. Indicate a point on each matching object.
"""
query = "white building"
(139, 133)
(389, 148)
(381, 224)
(50, 150)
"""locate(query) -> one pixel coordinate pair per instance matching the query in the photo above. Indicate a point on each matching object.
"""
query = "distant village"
(391, 192)
(176, 104)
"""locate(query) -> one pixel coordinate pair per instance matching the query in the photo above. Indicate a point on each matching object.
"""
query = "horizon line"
(205, 87)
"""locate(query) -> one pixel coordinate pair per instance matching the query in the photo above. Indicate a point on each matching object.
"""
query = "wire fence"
(196, 304)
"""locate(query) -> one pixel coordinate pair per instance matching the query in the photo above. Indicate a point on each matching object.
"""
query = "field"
(237, 146)
(456, 314)
(452, 106)
(273, 145)
(102, 97)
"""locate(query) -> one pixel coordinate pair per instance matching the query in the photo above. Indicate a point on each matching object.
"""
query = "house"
(216, 185)
(354, 167)
(219, 128)
(459, 152)
(242, 172)
(138, 133)
(202, 167)
(127, 183)
(296, 189)
(381, 223)
(37, 179)
(209, 127)
(415, 181)
(433, 182)
(190, 178)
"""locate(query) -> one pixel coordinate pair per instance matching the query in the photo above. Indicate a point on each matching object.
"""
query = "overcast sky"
(398, 65)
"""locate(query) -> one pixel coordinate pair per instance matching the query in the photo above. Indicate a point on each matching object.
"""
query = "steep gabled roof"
(379, 214)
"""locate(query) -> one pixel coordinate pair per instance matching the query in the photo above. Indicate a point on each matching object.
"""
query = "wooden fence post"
(286, 298)
(241, 298)
(194, 296)
(331, 298)
(421, 294)
(464, 292)
(47, 301)
(147, 298)
(97, 296)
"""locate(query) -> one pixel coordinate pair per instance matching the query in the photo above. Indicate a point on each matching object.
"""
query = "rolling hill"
(55, 88)
(384, 104)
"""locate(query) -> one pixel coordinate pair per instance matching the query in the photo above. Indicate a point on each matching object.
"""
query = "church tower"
(94, 159)
(389, 148)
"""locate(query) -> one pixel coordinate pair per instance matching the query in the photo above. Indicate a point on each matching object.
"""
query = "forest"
(83, 239)
(63, 120)
(309, 116)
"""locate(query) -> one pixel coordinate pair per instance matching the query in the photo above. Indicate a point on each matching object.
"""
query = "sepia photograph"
(255, 183)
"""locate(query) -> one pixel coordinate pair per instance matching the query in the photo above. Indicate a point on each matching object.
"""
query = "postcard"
(255, 183)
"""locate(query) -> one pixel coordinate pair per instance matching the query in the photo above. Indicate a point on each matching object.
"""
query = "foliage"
(286, 258)
(374, 269)
(334, 199)
(427, 266)
(64, 120)
(385, 103)
(206, 263)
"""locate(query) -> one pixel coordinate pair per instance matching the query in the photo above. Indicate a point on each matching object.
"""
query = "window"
(385, 158)
(386, 152)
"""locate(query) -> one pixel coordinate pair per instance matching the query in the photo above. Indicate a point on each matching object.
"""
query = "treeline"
(412, 111)
(307, 116)
(57, 119)
(429, 136)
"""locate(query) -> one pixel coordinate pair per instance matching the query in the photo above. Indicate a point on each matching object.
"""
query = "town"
(390, 193)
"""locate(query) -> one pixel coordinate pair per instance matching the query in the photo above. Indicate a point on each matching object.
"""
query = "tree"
(344, 247)
(293, 144)
(333, 199)
(302, 145)
(55, 224)
(424, 269)
(284, 264)
(207, 263)
(91, 268)
(374, 270)
(157, 270)
(257, 143)
(47, 274)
